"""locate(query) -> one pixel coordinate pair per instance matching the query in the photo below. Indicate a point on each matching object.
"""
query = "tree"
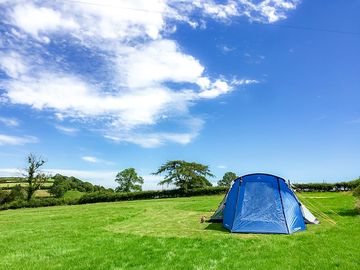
(59, 188)
(17, 193)
(33, 175)
(227, 179)
(128, 181)
(185, 175)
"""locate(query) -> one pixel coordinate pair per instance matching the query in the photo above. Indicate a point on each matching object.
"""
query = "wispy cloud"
(221, 166)
(16, 140)
(10, 122)
(67, 130)
(93, 159)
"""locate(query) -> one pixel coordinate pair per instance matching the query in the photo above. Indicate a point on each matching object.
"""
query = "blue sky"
(245, 86)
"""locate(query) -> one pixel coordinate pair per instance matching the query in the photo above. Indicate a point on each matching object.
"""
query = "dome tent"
(262, 203)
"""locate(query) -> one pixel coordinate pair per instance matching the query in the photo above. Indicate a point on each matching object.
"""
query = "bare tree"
(34, 177)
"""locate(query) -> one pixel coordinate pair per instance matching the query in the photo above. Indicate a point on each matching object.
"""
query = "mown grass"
(167, 234)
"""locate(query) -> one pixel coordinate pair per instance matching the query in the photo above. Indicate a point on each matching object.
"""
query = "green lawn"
(167, 234)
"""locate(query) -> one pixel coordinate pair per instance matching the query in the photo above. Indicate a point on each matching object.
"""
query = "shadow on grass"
(216, 227)
(349, 212)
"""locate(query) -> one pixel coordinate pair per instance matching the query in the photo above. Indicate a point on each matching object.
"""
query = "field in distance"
(167, 234)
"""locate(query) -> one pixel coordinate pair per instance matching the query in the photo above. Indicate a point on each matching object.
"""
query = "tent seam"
(237, 200)
(282, 206)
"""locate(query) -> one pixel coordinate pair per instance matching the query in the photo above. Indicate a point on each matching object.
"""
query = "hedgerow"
(105, 196)
(339, 186)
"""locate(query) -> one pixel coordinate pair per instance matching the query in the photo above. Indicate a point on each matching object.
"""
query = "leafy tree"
(33, 175)
(227, 179)
(185, 175)
(128, 181)
(3, 196)
(17, 192)
(59, 188)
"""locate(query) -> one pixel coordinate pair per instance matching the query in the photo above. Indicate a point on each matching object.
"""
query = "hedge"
(340, 186)
(96, 197)
(38, 203)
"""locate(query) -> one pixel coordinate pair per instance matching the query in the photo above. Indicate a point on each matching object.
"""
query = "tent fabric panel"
(260, 209)
(218, 215)
(308, 216)
(293, 214)
(230, 205)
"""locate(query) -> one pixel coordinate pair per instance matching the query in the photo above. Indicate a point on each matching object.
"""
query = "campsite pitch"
(167, 234)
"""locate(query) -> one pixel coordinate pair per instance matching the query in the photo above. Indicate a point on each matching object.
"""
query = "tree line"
(179, 174)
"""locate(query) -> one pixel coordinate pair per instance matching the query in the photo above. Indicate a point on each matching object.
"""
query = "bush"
(16, 193)
(356, 191)
(33, 203)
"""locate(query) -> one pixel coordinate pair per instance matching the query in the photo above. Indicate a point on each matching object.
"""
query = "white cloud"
(221, 167)
(10, 172)
(10, 122)
(66, 130)
(16, 140)
(157, 61)
(12, 63)
(90, 159)
(216, 89)
(243, 82)
(35, 20)
(150, 79)
(93, 159)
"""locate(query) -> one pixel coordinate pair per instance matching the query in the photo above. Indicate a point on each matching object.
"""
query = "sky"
(98, 86)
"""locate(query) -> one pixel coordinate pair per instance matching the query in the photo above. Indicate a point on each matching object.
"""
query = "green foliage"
(34, 177)
(62, 184)
(59, 188)
(185, 175)
(227, 179)
(108, 196)
(34, 203)
(339, 186)
(16, 193)
(10, 179)
(356, 191)
(129, 181)
(152, 194)
(3, 195)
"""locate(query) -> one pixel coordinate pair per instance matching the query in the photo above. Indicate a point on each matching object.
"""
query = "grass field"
(167, 234)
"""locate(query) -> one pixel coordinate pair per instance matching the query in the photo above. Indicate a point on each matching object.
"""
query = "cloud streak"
(16, 140)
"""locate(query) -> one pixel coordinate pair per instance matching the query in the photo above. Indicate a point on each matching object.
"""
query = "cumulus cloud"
(140, 77)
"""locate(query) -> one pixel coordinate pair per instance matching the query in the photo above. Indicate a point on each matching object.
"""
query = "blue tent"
(262, 203)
